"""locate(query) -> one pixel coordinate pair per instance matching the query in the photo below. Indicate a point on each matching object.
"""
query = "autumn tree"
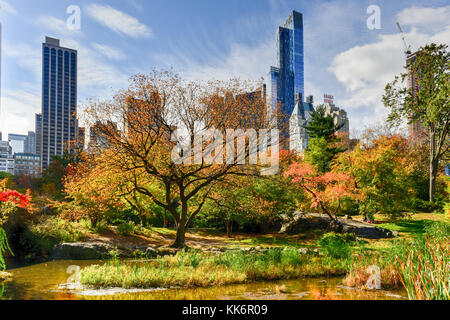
(165, 133)
(427, 102)
(10, 202)
(326, 191)
(382, 171)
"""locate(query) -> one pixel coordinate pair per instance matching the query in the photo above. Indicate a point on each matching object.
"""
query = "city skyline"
(352, 68)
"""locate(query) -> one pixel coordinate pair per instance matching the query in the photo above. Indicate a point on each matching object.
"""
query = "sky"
(213, 39)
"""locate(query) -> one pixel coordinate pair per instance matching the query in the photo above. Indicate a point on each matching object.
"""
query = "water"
(47, 281)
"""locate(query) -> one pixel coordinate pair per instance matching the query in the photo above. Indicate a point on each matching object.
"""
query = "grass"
(195, 269)
(56, 230)
(425, 273)
(420, 265)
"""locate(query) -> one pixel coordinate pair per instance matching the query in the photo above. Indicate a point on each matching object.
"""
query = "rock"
(303, 251)
(300, 222)
(5, 276)
(81, 251)
(46, 210)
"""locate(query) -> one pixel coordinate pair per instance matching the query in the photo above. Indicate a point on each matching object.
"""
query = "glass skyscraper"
(59, 100)
(287, 80)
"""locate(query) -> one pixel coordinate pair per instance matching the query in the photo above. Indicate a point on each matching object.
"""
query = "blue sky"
(205, 39)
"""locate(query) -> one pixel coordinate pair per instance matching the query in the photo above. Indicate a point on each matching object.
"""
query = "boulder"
(301, 222)
(81, 251)
(5, 276)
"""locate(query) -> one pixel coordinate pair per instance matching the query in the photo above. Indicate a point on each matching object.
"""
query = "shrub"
(337, 246)
(126, 228)
(35, 239)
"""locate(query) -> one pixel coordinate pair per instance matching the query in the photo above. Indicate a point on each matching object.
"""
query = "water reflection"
(43, 282)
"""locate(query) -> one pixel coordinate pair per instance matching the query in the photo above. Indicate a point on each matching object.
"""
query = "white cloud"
(5, 7)
(426, 18)
(246, 62)
(109, 52)
(57, 26)
(25, 55)
(18, 109)
(365, 70)
(119, 21)
(96, 77)
(242, 61)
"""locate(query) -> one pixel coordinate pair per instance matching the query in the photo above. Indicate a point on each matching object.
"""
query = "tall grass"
(421, 266)
(196, 269)
(426, 273)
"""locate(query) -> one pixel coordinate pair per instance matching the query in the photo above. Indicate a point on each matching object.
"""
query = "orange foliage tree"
(144, 126)
(325, 190)
(382, 172)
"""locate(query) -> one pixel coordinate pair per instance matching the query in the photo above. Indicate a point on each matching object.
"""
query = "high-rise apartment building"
(59, 100)
(38, 130)
(17, 142)
(286, 81)
(30, 143)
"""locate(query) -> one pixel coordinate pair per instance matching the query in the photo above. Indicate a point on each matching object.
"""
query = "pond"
(48, 281)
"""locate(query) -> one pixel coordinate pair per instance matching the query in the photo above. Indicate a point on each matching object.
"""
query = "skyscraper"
(286, 81)
(30, 143)
(59, 99)
(38, 130)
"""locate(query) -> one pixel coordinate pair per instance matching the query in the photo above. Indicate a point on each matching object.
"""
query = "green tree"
(320, 154)
(323, 147)
(382, 174)
(322, 125)
(428, 103)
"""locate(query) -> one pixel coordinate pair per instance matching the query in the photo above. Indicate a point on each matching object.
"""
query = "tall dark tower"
(59, 100)
(287, 80)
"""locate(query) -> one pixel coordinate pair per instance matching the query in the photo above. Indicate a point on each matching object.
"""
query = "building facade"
(340, 117)
(298, 137)
(6, 158)
(38, 128)
(30, 143)
(17, 142)
(59, 100)
(416, 130)
(286, 81)
(27, 164)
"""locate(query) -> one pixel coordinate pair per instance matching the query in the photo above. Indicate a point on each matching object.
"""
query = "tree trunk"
(180, 241)
(433, 165)
(433, 175)
(227, 224)
(94, 222)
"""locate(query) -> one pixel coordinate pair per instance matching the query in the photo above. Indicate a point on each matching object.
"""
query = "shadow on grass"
(408, 226)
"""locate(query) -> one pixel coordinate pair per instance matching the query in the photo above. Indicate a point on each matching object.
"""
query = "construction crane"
(407, 47)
